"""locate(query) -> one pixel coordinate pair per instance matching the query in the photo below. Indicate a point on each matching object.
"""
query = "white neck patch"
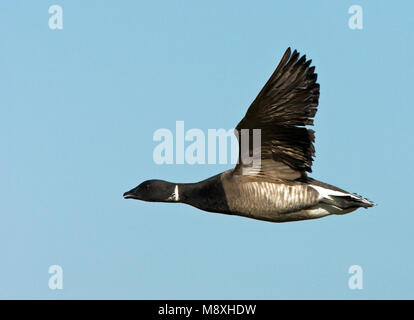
(176, 195)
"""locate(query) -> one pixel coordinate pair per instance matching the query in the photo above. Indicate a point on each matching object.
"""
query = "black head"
(154, 190)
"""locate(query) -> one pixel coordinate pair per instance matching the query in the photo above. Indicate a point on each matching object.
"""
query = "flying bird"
(279, 190)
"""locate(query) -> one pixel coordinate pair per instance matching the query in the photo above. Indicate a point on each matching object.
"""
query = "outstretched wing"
(286, 104)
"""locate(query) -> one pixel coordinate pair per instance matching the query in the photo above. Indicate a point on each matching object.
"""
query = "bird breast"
(267, 199)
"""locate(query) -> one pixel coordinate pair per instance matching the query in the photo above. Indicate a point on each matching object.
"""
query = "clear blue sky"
(78, 108)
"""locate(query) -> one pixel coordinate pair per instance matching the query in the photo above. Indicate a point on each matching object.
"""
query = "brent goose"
(279, 190)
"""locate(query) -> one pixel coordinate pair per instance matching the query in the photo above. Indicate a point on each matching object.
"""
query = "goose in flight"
(279, 190)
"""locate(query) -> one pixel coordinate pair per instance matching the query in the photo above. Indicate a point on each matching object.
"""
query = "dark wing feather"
(286, 104)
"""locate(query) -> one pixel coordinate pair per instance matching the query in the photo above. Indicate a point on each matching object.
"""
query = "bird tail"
(349, 201)
(339, 198)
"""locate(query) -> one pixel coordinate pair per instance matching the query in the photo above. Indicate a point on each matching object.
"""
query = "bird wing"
(286, 104)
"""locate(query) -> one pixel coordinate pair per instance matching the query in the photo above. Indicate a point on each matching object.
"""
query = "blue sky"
(79, 106)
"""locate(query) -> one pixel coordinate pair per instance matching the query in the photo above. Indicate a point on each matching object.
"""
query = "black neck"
(206, 195)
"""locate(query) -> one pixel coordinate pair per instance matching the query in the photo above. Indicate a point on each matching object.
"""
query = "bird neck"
(206, 195)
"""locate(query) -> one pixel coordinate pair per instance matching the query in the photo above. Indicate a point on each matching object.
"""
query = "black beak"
(129, 194)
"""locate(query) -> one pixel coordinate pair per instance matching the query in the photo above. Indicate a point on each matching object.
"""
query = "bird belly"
(277, 202)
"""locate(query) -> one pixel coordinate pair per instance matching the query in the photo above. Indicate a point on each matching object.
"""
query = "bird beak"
(129, 194)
